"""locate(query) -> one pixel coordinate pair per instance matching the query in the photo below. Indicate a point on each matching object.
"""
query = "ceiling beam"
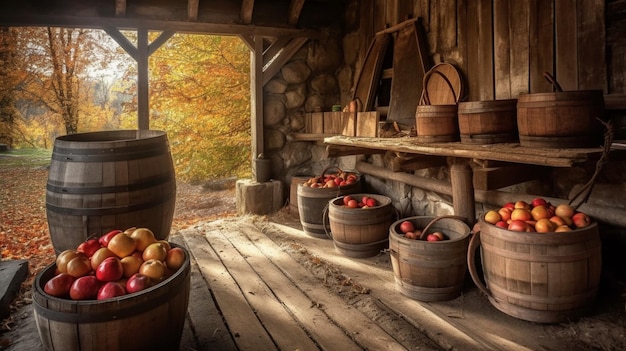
(192, 10)
(295, 9)
(270, 70)
(120, 8)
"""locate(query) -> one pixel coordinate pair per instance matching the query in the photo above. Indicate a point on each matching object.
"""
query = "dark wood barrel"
(293, 193)
(437, 123)
(360, 232)
(488, 122)
(549, 277)
(109, 180)
(151, 319)
(430, 270)
(565, 119)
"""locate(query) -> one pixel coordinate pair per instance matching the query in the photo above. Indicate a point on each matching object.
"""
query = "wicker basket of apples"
(114, 285)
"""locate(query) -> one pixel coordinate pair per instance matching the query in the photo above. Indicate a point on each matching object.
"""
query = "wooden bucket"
(565, 119)
(427, 270)
(360, 232)
(293, 193)
(151, 319)
(538, 277)
(488, 122)
(437, 123)
(109, 180)
(311, 204)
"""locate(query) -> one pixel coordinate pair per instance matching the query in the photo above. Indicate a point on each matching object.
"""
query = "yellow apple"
(99, 256)
(143, 237)
(154, 269)
(122, 245)
(156, 251)
(131, 265)
(175, 258)
(492, 217)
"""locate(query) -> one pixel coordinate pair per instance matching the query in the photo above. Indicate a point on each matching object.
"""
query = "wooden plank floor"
(262, 284)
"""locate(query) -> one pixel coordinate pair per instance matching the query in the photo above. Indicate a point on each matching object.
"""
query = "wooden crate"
(333, 123)
(349, 123)
(367, 124)
(314, 123)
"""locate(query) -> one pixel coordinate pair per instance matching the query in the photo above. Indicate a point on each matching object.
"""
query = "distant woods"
(58, 81)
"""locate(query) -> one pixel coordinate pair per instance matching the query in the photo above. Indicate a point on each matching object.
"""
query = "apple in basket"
(111, 289)
(85, 288)
(110, 270)
(406, 226)
(89, 247)
(138, 282)
(59, 285)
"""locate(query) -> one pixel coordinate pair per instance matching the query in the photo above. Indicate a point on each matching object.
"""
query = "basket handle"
(555, 85)
(471, 263)
(433, 221)
(330, 167)
(425, 98)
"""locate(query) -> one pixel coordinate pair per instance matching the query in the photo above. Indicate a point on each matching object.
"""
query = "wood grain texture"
(502, 49)
(566, 43)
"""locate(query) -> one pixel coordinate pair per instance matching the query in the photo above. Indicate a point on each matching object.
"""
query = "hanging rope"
(585, 191)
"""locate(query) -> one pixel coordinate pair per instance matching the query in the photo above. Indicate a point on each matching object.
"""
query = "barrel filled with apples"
(359, 224)
(125, 290)
(540, 262)
(428, 256)
(315, 193)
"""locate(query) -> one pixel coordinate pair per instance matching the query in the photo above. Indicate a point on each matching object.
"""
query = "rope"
(585, 191)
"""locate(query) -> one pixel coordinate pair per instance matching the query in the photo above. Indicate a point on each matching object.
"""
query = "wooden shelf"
(511, 152)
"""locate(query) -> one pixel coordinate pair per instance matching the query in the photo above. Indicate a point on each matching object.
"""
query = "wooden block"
(333, 122)
(348, 123)
(314, 123)
(367, 124)
(498, 177)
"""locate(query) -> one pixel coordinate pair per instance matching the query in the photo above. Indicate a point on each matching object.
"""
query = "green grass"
(25, 158)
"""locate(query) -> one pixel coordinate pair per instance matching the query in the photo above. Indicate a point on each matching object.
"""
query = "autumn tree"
(8, 80)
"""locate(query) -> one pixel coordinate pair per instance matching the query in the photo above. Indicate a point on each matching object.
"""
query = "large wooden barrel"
(430, 270)
(313, 201)
(538, 277)
(151, 319)
(437, 123)
(360, 232)
(565, 119)
(109, 180)
(488, 122)
(296, 180)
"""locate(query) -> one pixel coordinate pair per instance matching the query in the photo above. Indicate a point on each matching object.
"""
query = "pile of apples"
(539, 216)
(115, 264)
(410, 232)
(365, 202)
(331, 180)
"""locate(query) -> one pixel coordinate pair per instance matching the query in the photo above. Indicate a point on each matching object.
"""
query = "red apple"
(521, 214)
(346, 199)
(581, 220)
(175, 258)
(538, 201)
(522, 204)
(138, 282)
(110, 290)
(502, 224)
(406, 226)
(89, 247)
(104, 240)
(371, 202)
(505, 213)
(364, 199)
(557, 220)
(433, 237)
(59, 285)
(99, 256)
(519, 226)
(110, 270)
(509, 205)
(353, 203)
(85, 288)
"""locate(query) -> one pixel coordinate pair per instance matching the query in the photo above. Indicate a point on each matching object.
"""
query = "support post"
(463, 190)
(256, 96)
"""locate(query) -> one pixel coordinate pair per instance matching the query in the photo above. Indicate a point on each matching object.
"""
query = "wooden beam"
(295, 8)
(122, 41)
(143, 98)
(247, 8)
(256, 97)
(248, 40)
(120, 8)
(290, 49)
(498, 177)
(350, 151)
(412, 162)
(270, 53)
(192, 10)
(160, 40)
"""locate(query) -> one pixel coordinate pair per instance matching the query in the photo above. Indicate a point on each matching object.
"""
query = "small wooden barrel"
(565, 119)
(488, 122)
(109, 180)
(151, 319)
(313, 201)
(538, 277)
(437, 123)
(360, 232)
(293, 193)
(430, 270)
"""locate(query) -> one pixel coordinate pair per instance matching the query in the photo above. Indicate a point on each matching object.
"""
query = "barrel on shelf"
(430, 270)
(360, 232)
(151, 319)
(538, 277)
(109, 180)
(488, 122)
(312, 201)
(562, 119)
(437, 123)
(293, 193)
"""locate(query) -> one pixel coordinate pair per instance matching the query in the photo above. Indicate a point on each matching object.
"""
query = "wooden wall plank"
(462, 35)
(591, 42)
(566, 45)
(520, 53)
(380, 15)
(485, 50)
(366, 30)
(471, 53)
(502, 49)
(541, 44)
